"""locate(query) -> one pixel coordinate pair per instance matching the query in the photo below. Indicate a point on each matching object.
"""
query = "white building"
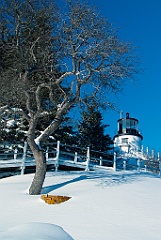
(128, 143)
(128, 138)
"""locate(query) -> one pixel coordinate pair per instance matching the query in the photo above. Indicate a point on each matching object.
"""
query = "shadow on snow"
(102, 178)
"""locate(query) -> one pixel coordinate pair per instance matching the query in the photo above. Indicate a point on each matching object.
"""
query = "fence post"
(138, 164)
(57, 156)
(124, 165)
(114, 161)
(75, 157)
(100, 161)
(23, 158)
(160, 168)
(15, 154)
(87, 159)
(47, 153)
(158, 156)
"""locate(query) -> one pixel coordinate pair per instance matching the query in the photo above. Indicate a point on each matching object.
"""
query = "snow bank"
(35, 231)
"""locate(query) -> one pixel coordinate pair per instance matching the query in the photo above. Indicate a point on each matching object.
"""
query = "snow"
(36, 231)
(104, 205)
(11, 123)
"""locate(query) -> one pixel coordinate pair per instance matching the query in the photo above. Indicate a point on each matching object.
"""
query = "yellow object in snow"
(51, 199)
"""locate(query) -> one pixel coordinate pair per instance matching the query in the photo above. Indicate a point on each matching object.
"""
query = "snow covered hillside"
(103, 205)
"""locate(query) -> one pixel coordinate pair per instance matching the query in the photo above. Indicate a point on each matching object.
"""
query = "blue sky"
(139, 22)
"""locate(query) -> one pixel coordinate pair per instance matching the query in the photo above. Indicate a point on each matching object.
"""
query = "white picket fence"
(139, 162)
(25, 159)
(58, 157)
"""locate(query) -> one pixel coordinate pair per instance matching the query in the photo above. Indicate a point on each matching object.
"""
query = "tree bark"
(39, 157)
(39, 177)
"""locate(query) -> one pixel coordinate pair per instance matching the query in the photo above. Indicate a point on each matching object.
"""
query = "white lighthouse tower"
(128, 138)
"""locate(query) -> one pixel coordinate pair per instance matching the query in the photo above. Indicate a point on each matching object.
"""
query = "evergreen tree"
(13, 129)
(91, 131)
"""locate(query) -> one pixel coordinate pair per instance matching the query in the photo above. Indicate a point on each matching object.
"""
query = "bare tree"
(63, 59)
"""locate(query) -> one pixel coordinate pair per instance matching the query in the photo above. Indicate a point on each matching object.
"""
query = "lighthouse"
(128, 138)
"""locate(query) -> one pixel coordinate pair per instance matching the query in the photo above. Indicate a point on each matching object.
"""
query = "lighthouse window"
(124, 140)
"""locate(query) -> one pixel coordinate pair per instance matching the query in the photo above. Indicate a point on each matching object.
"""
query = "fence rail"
(57, 157)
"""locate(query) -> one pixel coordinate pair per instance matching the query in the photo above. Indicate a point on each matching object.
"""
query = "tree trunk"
(39, 177)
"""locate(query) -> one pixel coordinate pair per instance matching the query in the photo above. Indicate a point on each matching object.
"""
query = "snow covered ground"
(103, 205)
